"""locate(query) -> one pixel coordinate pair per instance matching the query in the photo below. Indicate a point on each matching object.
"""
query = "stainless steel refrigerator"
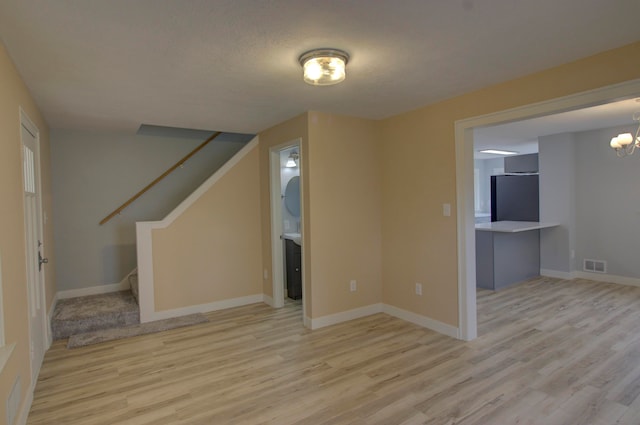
(515, 197)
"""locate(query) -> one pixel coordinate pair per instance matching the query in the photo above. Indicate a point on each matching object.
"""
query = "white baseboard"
(425, 322)
(598, 277)
(206, 308)
(306, 321)
(268, 300)
(344, 316)
(93, 290)
(22, 417)
(611, 278)
(556, 274)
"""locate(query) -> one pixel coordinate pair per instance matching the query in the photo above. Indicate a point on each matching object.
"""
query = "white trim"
(277, 257)
(407, 316)
(26, 407)
(467, 310)
(609, 278)
(208, 307)
(277, 246)
(425, 322)
(125, 280)
(93, 290)
(5, 354)
(596, 277)
(146, 290)
(28, 123)
(52, 309)
(467, 320)
(556, 274)
(344, 316)
(40, 290)
(306, 322)
(267, 300)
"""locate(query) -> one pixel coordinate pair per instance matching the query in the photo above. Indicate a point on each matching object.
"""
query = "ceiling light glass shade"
(291, 161)
(626, 143)
(625, 139)
(324, 67)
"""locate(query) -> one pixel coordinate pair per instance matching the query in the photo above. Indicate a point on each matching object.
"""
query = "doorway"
(287, 208)
(38, 328)
(464, 141)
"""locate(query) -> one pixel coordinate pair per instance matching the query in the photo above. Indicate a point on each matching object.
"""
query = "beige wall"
(286, 132)
(419, 244)
(374, 191)
(12, 240)
(342, 216)
(345, 213)
(212, 251)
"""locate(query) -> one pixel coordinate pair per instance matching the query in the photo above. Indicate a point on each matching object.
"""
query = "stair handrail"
(157, 180)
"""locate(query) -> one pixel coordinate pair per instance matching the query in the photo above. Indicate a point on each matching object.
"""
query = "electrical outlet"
(353, 286)
(265, 274)
(446, 210)
(418, 288)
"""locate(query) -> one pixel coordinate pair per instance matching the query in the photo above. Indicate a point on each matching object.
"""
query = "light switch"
(446, 210)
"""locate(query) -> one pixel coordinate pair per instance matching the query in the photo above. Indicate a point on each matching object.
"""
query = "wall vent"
(13, 402)
(594, 266)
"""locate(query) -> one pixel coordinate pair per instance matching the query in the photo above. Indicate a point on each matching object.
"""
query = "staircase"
(74, 316)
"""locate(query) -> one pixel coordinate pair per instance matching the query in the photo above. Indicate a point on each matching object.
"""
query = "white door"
(33, 239)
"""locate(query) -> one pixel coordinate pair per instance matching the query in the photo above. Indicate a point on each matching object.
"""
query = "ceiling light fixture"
(624, 144)
(498, 152)
(324, 67)
(291, 162)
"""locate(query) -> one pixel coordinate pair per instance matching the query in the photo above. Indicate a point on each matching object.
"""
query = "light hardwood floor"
(550, 352)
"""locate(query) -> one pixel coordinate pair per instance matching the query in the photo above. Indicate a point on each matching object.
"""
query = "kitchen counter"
(513, 226)
(507, 252)
(296, 237)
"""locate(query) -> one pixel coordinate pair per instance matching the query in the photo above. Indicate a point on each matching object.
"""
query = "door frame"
(277, 247)
(40, 295)
(467, 314)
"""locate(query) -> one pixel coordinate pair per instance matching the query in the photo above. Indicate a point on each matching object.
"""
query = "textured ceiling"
(522, 136)
(231, 65)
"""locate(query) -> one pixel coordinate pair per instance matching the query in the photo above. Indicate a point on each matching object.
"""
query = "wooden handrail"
(153, 183)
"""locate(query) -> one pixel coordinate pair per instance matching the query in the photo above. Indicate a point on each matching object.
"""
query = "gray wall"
(93, 173)
(595, 196)
(557, 201)
(607, 203)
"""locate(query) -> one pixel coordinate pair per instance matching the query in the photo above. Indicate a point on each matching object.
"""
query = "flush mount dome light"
(324, 67)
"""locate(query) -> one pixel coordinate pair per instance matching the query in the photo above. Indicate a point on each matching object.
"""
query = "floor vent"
(595, 266)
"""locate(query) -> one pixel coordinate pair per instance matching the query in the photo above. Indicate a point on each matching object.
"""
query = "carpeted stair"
(89, 338)
(93, 313)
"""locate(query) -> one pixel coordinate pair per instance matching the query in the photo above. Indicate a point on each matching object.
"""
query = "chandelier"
(625, 144)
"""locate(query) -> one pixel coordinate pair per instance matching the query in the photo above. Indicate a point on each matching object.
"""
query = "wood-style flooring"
(550, 352)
